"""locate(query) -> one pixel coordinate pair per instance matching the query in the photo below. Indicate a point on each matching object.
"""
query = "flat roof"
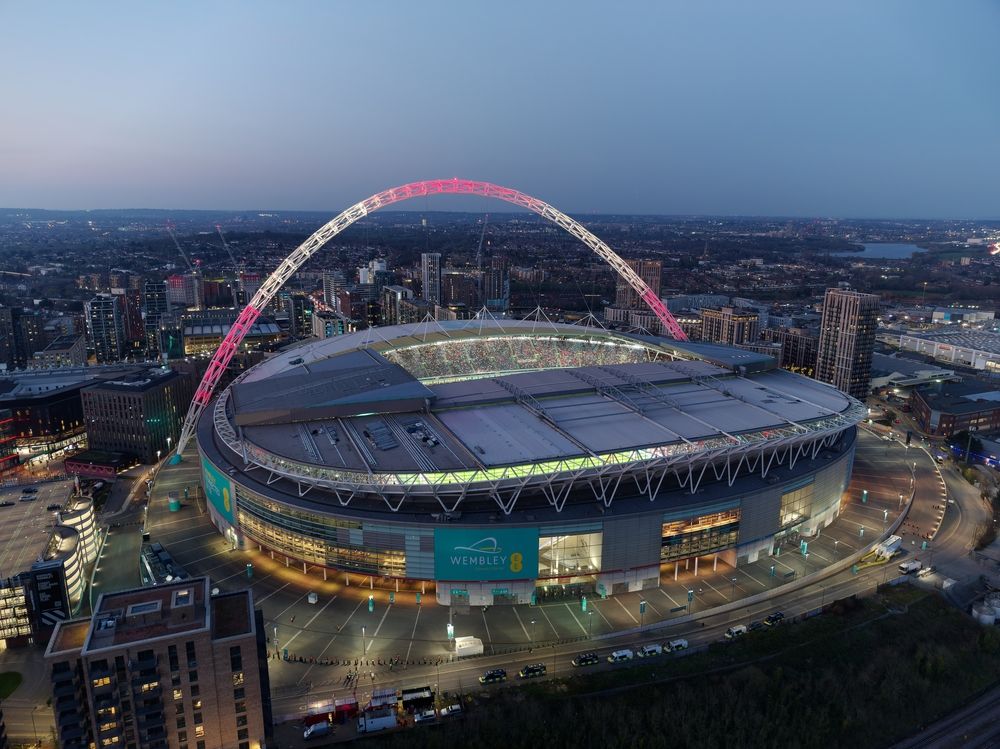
(137, 382)
(70, 635)
(977, 340)
(132, 616)
(26, 527)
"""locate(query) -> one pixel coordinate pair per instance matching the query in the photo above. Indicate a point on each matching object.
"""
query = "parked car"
(754, 626)
(772, 619)
(7, 503)
(29, 490)
(585, 659)
(455, 709)
(647, 651)
(54, 507)
(425, 717)
(532, 671)
(493, 676)
(678, 644)
(28, 498)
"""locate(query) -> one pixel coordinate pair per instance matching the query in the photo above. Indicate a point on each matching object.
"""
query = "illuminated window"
(101, 682)
(199, 731)
(238, 679)
(178, 694)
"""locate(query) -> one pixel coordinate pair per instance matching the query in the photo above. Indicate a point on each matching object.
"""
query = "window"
(244, 745)
(182, 722)
(196, 704)
(241, 720)
(238, 679)
(195, 690)
(200, 745)
(199, 731)
(241, 707)
(235, 659)
(243, 733)
(182, 735)
(192, 657)
(192, 676)
(180, 708)
(197, 718)
(175, 680)
(178, 694)
(239, 694)
(101, 682)
(172, 654)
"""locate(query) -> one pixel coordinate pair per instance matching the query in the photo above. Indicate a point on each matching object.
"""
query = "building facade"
(430, 276)
(730, 325)
(106, 328)
(650, 271)
(138, 415)
(64, 351)
(169, 667)
(798, 348)
(847, 340)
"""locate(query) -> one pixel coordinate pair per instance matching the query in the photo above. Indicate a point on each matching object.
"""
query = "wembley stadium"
(497, 457)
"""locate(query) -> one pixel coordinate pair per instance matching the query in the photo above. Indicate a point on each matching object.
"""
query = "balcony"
(64, 689)
(71, 733)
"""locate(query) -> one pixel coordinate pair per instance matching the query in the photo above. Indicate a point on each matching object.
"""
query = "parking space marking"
(575, 618)
(555, 632)
(524, 629)
(300, 630)
(618, 601)
(413, 634)
(272, 593)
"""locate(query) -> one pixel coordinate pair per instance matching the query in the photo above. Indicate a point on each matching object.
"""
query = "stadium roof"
(395, 400)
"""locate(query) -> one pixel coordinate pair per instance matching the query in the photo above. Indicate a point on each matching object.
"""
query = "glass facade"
(796, 504)
(314, 538)
(699, 535)
(570, 555)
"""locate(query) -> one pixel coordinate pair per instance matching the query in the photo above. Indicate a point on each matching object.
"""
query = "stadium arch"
(295, 260)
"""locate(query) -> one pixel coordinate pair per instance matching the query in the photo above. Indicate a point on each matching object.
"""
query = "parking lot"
(25, 525)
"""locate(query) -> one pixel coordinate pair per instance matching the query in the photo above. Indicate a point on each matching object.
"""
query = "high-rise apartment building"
(155, 306)
(650, 271)
(106, 328)
(732, 325)
(333, 282)
(167, 667)
(847, 340)
(458, 288)
(430, 276)
(13, 346)
(496, 285)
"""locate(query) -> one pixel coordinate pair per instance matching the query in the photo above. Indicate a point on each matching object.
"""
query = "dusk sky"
(853, 109)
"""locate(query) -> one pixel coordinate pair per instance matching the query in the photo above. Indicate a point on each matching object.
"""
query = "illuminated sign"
(487, 554)
(218, 489)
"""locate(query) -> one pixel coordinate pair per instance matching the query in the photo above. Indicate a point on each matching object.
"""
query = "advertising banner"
(486, 554)
(218, 489)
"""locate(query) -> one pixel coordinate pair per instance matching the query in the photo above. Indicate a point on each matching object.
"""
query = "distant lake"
(883, 250)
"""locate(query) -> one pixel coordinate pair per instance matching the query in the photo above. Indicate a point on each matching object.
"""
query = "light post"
(900, 506)
(532, 635)
(733, 594)
(364, 647)
(277, 652)
(33, 729)
(590, 624)
(642, 613)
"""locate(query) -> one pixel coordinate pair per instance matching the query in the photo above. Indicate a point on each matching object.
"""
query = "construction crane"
(236, 266)
(177, 244)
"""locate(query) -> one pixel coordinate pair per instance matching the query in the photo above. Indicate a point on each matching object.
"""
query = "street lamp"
(900, 506)
(532, 634)
(364, 647)
(590, 624)
(734, 589)
(642, 613)
(276, 651)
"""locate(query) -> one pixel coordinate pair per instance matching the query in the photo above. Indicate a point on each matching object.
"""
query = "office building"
(732, 325)
(391, 298)
(138, 415)
(106, 328)
(430, 276)
(168, 667)
(847, 340)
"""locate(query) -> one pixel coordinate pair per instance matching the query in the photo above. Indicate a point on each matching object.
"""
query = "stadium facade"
(499, 458)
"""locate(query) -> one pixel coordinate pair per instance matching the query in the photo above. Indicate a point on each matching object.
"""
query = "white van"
(649, 650)
(738, 631)
(680, 644)
(908, 568)
(620, 656)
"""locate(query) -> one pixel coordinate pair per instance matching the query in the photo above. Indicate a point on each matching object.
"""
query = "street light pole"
(590, 624)
(364, 647)
(532, 635)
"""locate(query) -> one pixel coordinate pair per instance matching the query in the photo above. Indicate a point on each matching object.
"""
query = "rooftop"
(961, 398)
(978, 340)
(37, 383)
(231, 615)
(133, 616)
(137, 382)
(69, 635)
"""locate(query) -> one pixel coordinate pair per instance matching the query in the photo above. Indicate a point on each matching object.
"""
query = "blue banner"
(487, 554)
(218, 490)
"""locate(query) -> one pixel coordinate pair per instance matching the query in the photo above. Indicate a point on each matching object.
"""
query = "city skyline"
(847, 112)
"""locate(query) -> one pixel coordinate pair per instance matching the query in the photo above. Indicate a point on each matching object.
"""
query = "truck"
(379, 719)
(888, 548)
(467, 646)
(907, 568)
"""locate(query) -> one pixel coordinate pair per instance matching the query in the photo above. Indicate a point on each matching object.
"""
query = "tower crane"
(177, 244)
